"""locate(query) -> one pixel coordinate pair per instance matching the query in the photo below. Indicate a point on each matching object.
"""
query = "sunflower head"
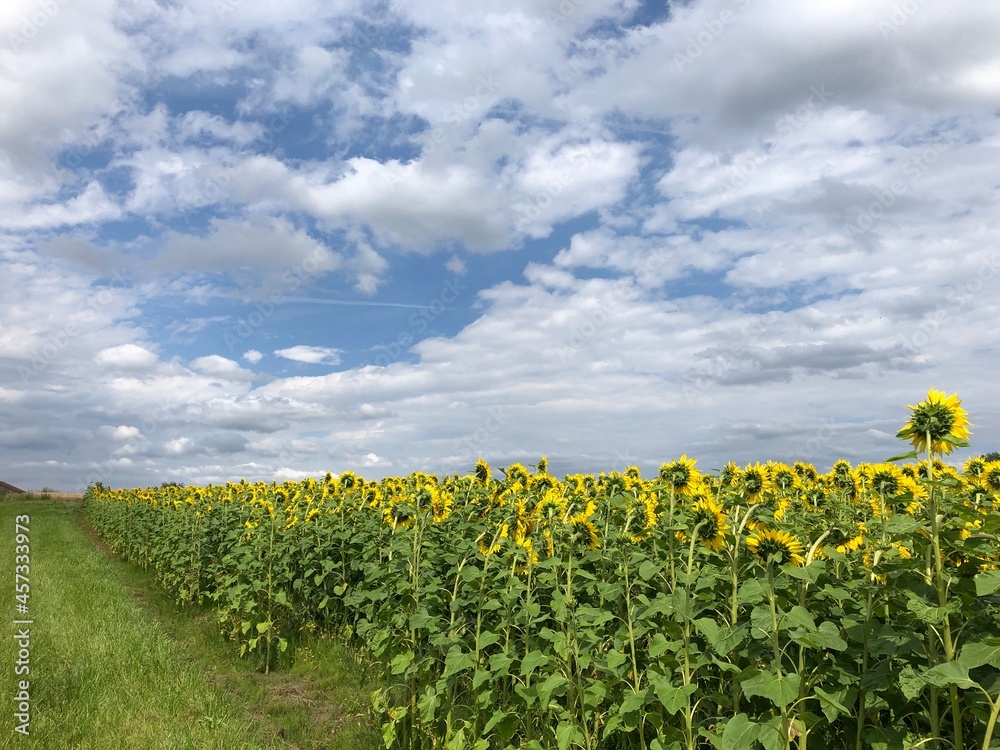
(783, 477)
(806, 472)
(489, 542)
(939, 418)
(729, 475)
(641, 516)
(517, 473)
(841, 466)
(784, 548)
(442, 503)
(583, 530)
(712, 523)
(991, 475)
(756, 482)
(482, 471)
(614, 483)
(974, 466)
(886, 479)
(680, 474)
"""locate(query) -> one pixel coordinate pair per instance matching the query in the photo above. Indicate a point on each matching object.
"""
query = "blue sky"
(246, 239)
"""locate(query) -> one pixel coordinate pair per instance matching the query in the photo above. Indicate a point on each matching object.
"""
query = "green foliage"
(595, 612)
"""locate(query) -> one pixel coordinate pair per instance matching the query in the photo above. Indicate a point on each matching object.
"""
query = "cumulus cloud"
(664, 251)
(310, 355)
(126, 357)
(220, 367)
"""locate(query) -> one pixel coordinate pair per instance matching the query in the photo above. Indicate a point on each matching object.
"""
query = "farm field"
(760, 606)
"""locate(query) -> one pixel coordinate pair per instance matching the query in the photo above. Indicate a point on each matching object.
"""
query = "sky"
(247, 239)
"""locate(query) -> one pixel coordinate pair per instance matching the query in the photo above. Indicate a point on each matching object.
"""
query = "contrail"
(365, 303)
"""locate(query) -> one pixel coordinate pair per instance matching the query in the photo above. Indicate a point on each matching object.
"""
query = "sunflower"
(941, 419)
(783, 477)
(729, 475)
(806, 472)
(482, 471)
(714, 523)
(398, 514)
(813, 497)
(491, 547)
(542, 482)
(903, 550)
(441, 504)
(524, 555)
(681, 474)
(974, 467)
(583, 529)
(845, 541)
(756, 482)
(886, 479)
(785, 548)
(841, 466)
(991, 475)
(641, 516)
(577, 510)
(846, 483)
(516, 473)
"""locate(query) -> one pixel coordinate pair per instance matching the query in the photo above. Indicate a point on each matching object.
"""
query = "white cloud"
(178, 446)
(312, 355)
(126, 357)
(219, 367)
(760, 243)
(125, 432)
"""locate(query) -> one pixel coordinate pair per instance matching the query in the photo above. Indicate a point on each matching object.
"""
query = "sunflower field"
(760, 606)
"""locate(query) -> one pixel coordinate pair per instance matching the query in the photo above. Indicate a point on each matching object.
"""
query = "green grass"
(115, 664)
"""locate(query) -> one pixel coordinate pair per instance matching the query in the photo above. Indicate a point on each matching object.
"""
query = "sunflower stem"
(942, 594)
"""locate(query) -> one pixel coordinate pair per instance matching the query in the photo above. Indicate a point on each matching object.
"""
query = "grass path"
(114, 664)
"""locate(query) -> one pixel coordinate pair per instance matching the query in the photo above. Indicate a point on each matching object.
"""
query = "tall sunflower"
(786, 549)
(940, 418)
